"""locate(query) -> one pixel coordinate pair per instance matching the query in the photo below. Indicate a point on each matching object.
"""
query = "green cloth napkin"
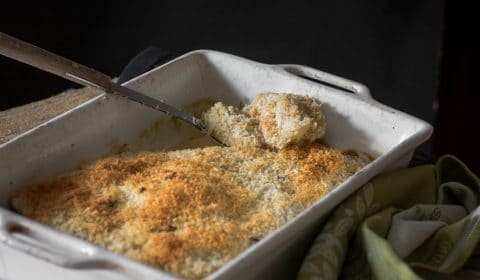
(401, 225)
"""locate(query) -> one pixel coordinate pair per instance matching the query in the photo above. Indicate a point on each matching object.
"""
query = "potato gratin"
(189, 212)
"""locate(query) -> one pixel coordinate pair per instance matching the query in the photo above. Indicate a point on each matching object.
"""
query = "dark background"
(416, 56)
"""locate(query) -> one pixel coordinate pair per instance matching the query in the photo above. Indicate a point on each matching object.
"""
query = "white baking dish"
(29, 250)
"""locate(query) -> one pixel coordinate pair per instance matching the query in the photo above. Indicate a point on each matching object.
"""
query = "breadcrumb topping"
(189, 212)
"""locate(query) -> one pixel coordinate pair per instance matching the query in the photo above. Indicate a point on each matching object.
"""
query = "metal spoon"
(42, 59)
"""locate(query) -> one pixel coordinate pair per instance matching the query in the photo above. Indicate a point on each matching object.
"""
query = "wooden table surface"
(20, 119)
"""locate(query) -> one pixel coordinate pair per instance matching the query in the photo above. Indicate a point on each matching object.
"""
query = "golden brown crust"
(187, 212)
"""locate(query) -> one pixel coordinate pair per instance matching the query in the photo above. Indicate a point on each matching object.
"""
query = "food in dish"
(190, 211)
(273, 120)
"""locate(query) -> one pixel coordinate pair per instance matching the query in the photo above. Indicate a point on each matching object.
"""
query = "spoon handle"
(37, 57)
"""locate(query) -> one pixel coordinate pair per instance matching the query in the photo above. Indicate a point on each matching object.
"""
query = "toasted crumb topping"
(189, 212)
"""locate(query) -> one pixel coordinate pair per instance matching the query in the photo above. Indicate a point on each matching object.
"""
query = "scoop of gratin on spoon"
(42, 59)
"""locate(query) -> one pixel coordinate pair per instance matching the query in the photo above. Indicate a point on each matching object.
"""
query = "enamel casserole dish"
(107, 124)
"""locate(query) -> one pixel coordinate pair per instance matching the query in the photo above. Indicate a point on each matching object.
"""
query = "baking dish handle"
(61, 250)
(23, 238)
(327, 78)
